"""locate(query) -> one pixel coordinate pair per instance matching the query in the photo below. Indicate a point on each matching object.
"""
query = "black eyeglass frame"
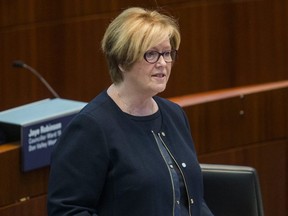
(173, 56)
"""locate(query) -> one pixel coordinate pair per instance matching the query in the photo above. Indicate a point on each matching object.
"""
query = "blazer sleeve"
(79, 164)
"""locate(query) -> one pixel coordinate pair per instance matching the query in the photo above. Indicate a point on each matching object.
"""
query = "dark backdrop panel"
(225, 44)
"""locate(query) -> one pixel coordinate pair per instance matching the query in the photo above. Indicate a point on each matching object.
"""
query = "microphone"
(21, 64)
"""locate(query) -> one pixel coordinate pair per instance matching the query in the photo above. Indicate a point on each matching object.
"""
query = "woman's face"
(146, 78)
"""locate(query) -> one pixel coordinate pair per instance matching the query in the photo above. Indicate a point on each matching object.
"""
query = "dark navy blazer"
(105, 164)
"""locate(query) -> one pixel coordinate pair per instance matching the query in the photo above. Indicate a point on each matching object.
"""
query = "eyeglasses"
(153, 56)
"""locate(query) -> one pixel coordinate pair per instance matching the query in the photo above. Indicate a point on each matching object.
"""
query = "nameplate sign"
(38, 126)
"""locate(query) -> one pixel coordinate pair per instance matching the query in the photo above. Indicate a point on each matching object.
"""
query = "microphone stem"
(42, 80)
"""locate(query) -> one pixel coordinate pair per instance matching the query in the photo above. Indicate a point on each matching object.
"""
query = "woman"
(129, 152)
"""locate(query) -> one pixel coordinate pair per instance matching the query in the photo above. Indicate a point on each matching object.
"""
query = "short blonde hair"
(132, 33)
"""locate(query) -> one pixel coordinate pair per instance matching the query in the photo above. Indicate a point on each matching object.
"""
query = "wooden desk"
(21, 193)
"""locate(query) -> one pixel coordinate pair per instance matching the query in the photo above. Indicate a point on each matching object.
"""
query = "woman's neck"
(132, 103)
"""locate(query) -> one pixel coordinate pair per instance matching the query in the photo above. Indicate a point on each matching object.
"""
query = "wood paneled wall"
(245, 126)
(225, 44)
(249, 131)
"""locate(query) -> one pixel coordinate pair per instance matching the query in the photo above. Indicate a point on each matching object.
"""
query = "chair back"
(232, 190)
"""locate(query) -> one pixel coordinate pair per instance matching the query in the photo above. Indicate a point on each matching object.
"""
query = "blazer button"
(191, 201)
(163, 134)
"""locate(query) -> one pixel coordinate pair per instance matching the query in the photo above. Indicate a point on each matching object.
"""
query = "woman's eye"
(167, 54)
(151, 54)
